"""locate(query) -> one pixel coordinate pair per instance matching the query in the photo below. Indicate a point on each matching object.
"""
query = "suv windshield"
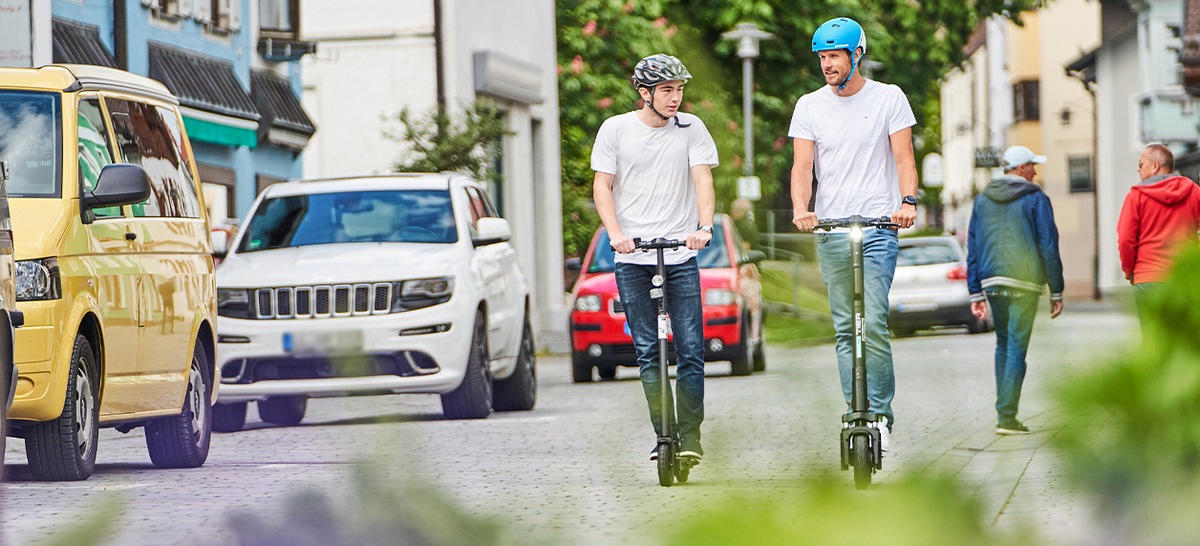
(926, 254)
(30, 140)
(712, 256)
(395, 216)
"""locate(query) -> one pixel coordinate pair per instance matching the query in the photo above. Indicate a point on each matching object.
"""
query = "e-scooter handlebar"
(656, 243)
(856, 220)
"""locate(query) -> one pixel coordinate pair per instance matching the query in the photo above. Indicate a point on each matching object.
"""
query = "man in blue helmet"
(855, 136)
(654, 179)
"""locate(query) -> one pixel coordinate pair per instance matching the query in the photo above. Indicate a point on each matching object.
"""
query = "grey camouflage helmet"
(659, 68)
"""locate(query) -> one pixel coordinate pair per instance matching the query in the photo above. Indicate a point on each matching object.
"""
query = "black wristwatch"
(909, 200)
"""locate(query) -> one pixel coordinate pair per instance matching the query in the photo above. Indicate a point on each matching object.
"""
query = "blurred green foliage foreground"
(1133, 437)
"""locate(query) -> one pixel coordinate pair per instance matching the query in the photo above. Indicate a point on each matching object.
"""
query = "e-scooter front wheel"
(666, 464)
(861, 460)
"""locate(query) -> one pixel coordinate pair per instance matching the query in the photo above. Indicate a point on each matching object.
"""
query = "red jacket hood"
(1170, 191)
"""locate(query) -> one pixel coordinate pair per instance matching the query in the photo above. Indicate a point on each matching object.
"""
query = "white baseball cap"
(1015, 156)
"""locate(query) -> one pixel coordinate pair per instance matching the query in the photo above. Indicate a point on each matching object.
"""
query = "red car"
(733, 307)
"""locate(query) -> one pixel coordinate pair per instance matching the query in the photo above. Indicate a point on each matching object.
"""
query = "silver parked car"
(930, 287)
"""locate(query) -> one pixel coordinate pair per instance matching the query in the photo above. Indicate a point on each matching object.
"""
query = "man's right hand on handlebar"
(805, 221)
(622, 244)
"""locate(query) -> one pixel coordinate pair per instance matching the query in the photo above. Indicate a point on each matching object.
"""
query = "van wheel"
(181, 441)
(743, 361)
(581, 368)
(65, 448)
(283, 410)
(760, 355)
(473, 397)
(519, 391)
(229, 417)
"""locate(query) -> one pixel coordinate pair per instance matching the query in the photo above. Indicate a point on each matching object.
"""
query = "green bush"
(1134, 437)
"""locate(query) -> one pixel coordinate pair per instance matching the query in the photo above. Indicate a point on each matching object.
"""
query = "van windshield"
(396, 216)
(31, 142)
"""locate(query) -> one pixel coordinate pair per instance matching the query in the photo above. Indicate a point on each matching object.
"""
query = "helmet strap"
(853, 66)
(651, 104)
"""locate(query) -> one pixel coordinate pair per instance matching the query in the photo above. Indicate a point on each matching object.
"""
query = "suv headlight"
(720, 296)
(38, 280)
(587, 304)
(421, 293)
(234, 303)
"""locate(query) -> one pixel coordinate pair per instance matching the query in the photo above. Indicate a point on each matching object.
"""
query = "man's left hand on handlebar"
(698, 239)
(906, 216)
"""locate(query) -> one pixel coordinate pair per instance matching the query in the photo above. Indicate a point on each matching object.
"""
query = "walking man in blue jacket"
(1012, 252)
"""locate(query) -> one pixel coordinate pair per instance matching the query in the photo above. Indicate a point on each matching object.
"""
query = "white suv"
(400, 283)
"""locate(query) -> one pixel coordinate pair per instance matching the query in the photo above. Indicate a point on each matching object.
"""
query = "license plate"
(916, 307)
(323, 343)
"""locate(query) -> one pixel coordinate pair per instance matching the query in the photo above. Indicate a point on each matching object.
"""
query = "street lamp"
(747, 36)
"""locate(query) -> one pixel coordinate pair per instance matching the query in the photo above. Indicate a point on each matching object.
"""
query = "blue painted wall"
(143, 27)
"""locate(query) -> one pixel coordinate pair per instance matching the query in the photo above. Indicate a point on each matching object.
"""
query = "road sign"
(931, 169)
(749, 187)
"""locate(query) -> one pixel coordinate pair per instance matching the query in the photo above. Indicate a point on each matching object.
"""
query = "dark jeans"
(1013, 311)
(687, 325)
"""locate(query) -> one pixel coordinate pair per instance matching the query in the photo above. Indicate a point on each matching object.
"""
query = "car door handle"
(130, 236)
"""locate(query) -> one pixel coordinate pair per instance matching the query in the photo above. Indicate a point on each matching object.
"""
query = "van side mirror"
(574, 264)
(490, 231)
(220, 243)
(753, 257)
(119, 184)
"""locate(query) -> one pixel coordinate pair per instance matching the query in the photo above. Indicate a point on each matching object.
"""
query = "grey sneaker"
(654, 453)
(885, 435)
(690, 447)
(1012, 428)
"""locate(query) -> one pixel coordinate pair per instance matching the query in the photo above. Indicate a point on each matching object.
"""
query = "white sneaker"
(885, 436)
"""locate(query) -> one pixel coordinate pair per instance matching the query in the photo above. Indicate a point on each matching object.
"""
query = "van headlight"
(421, 293)
(587, 304)
(38, 280)
(719, 296)
(234, 303)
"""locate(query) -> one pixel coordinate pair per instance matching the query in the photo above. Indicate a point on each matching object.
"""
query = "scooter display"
(671, 466)
(860, 442)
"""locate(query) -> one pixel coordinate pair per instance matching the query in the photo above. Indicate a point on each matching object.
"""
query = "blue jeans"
(1143, 294)
(687, 325)
(879, 266)
(1013, 311)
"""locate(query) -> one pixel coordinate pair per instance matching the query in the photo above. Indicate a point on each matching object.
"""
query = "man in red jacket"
(1160, 215)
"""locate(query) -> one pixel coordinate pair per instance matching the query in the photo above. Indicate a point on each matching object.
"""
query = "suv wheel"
(229, 417)
(283, 410)
(181, 441)
(473, 398)
(742, 361)
(65, 448)
(581, 369)
(519, 391)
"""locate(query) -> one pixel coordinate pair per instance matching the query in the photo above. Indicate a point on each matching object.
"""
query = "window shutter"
(235, 15)
(202, 12)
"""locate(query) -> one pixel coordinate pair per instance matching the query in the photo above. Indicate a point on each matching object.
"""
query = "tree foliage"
(599, 41)
(440, 142)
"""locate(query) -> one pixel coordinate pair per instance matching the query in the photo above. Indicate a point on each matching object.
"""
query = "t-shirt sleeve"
(702, 150)
(801, 123)
(604, 151)
(902, 114)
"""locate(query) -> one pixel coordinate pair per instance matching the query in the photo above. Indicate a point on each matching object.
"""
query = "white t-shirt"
(853, 160)
(653, 189)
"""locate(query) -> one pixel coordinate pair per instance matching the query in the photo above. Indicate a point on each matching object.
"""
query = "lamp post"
(747, 36)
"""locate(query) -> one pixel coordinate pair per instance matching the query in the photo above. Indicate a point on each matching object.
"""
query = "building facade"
(234, 64)
(1012, 89)
(378, 57)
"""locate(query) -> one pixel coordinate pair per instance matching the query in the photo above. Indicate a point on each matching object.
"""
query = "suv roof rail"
(362, 176)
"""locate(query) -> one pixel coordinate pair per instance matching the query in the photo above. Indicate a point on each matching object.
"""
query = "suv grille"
(337, 301)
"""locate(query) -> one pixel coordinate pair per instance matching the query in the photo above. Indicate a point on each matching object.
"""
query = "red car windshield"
(711, 257)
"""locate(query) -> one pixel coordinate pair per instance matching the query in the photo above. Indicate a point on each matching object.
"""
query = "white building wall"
(376, 57)
(1119, 144)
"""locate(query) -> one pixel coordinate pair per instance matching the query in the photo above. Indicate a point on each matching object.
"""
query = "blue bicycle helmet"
(841, 33)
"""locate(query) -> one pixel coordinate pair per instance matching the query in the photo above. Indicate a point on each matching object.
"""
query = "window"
(1079, 170)
(30, 137)
(150, 136)
(1025, 101)
(167, 9)
(221, 16)
(94, 151)
(278, 16)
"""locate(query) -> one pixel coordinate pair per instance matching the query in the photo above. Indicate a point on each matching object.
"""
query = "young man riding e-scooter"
(654, 180)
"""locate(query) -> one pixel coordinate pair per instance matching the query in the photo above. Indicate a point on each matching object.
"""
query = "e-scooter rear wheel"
(860, 458)
(666, 464)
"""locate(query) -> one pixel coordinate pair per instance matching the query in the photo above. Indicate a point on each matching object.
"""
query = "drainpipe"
(437, 52)
(120, 34)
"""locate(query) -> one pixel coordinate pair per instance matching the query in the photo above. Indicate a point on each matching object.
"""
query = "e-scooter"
(860, 428)
(671, 466)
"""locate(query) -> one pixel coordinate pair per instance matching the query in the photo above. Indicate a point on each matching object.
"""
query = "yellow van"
(114, 268)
